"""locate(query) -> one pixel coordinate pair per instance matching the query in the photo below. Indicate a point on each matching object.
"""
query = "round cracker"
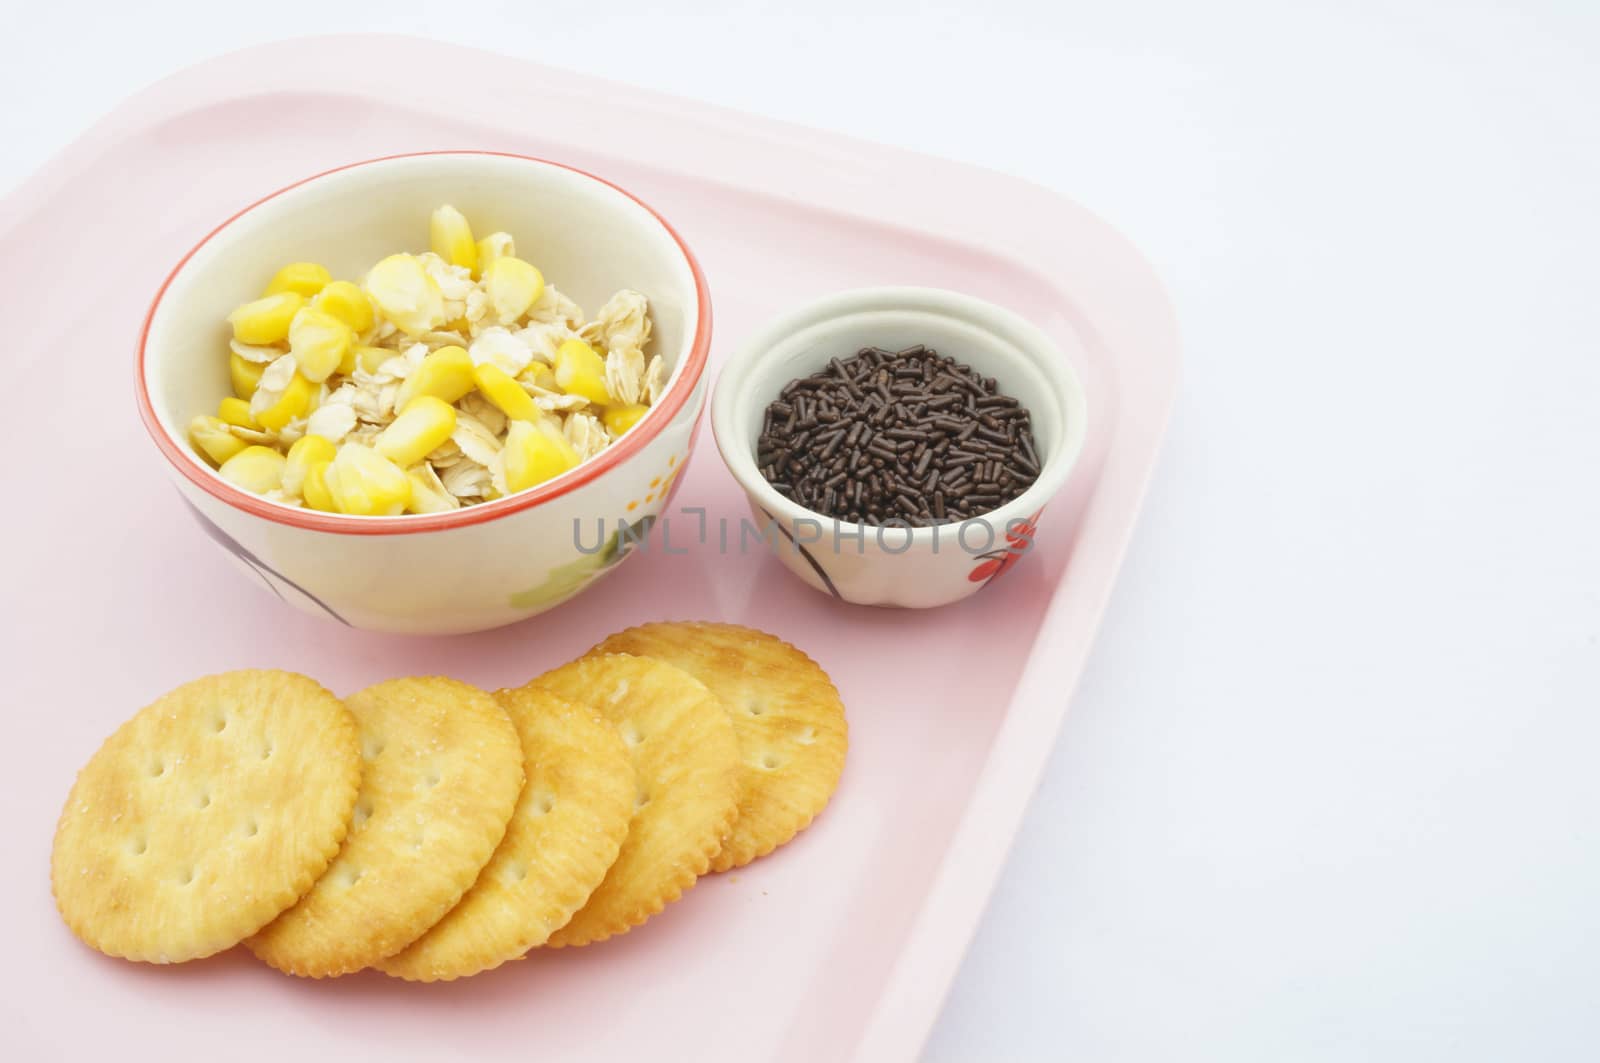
(786, 714)
(566, 832)
(443, 768)
(205, 815)
(686, 764)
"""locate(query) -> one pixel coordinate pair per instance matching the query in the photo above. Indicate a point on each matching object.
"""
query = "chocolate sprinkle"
(909, 436)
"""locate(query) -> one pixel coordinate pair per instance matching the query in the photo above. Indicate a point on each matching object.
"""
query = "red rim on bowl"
(649, 427)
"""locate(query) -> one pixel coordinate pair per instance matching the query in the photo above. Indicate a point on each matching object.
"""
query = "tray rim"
(1146, 334)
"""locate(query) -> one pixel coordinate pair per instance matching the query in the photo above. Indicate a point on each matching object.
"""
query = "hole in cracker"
(371, 748)
(138, 846)
(362, 813)
(544, 804)
(754, 707)
(352, 876)
(186, 877)
(630, 734)
(158, 770)
(202, 800)
(431, 779)
(770, 762)
(806, 737)
(266, 751)
(640, 800)
(517, 873)
(251, 828)
(220, 724)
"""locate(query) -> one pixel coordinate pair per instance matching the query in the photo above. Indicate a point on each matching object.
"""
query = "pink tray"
(839, 946)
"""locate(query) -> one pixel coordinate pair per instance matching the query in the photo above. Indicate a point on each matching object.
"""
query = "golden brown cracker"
(443, 768)
(205, 815)
(569, 825)
(786, 713)
(685, 760)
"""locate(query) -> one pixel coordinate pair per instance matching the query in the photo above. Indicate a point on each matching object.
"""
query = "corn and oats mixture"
(444, 379)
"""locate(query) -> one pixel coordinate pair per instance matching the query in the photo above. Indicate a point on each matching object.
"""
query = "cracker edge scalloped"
(429, 977)
(644, 913)
(329, 969)
(718, 864)
(297, 891)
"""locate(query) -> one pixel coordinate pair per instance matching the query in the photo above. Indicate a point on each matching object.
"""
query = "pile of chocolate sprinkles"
(897, 435)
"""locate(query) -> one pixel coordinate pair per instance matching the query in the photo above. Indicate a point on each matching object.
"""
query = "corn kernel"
(314, 488)
(294, 402)
(211, 437)
(348, 303)
(266, 320)
(404, 294)
(318, 341)
(236, 412)
(512, 285)
(368, 358)
(491, 247)
(580, 371)
(445, 374)
(302, 278)
(539, 375)
(427, 493)
(258, 469)
(425, 423)
(245, 375)
(500, 388)
(535, 453)
(307, 451)
(451, 237)
(363, 482)
(618, 419)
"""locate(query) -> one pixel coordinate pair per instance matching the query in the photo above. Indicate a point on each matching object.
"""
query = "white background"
(1328, 790)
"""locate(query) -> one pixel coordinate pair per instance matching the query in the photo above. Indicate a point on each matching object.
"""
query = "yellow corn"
(318, 341)
(451, 237)
(540, 376)
(368, 358)
(302, 278)
(534, 453)
(445, 374)
(307, 451)
(580, 371)
(425, 423)
(314, 488)
(348, 303)
(236, 412)
(404, 294)
(257, 469)
(294, 402)
(502, 389)
(211, 437)
(491, 247)
(363, 482)
(512, 285)
(427, 493)
(266, 320)
(618, 419)
(246, 375)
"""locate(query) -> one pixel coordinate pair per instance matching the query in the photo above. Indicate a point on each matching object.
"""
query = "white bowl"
(477, 567)
(897, 565)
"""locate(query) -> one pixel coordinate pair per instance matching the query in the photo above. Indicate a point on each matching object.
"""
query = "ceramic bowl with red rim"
(890, 564)
(483, 565)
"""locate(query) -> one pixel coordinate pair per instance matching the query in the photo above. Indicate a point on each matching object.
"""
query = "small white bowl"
(480, 566)
(896, 565)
